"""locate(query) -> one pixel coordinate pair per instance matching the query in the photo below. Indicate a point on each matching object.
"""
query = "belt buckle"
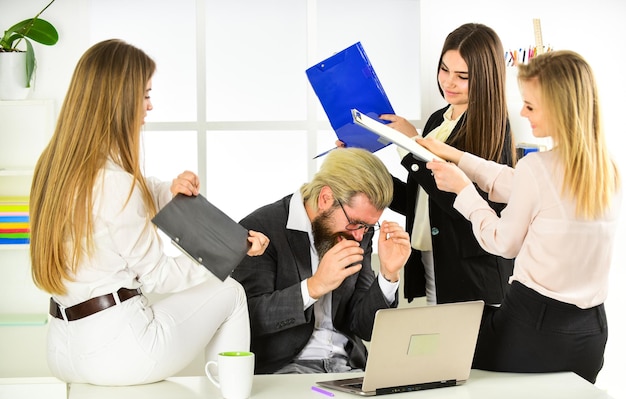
(116, 298)
(62, 311)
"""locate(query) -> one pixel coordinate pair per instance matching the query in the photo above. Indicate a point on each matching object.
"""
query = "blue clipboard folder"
(346, 81)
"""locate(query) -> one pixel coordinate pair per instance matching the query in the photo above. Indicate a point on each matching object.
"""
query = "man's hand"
(333, 267)
(394, 249)
(258, 243)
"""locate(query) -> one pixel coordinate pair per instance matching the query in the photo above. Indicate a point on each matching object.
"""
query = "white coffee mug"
(235, 372)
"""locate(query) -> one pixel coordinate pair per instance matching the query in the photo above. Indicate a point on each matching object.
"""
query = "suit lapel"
(300, 248)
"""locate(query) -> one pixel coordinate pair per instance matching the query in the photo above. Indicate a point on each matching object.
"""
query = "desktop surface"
(481, 384)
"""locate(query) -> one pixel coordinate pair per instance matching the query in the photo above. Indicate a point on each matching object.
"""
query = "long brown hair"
(100, 119)
(485, 127)
(569, 96)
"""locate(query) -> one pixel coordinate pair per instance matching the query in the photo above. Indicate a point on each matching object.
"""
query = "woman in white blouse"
(95, 250)
(559, 224)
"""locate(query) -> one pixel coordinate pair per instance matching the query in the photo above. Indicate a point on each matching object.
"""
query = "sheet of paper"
(390, 135)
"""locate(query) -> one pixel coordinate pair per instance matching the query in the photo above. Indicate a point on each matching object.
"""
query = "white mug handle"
(208, 373)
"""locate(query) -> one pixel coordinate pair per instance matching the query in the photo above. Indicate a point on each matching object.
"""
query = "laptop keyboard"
(356, 385)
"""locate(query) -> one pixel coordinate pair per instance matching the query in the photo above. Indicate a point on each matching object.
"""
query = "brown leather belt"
(91, 306)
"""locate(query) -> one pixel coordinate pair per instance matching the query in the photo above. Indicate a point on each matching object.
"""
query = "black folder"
(203, 232)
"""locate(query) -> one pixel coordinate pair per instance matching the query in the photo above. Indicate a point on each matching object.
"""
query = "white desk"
(33, 388)
(481, 385)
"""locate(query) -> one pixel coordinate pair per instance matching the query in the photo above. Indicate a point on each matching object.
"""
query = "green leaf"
(43, 32)
(30, 62)
(20, 25)
(38, 30)
(7, 41)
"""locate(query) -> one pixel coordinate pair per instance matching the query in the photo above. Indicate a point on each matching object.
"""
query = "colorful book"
(14, 220)
(14, 235)
(10, 241)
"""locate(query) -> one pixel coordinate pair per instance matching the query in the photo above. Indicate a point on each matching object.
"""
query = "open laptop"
(417, 348)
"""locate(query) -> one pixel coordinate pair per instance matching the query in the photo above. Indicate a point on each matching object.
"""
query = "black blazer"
(463, 270)
(279, 326)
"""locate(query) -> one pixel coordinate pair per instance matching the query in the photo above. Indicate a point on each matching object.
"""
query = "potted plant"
(17, 56)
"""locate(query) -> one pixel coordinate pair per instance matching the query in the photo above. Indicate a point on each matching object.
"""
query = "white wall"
(593, 28)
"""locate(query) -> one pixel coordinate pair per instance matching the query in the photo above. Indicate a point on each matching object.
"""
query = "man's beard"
(323, 237)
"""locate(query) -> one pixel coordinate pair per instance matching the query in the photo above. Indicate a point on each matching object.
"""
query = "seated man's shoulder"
(274, 214)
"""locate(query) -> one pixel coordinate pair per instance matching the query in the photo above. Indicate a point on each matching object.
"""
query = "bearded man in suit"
(312, 296)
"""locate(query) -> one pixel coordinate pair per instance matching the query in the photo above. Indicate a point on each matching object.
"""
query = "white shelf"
(16, 172)
(13, 247)
(23, 319)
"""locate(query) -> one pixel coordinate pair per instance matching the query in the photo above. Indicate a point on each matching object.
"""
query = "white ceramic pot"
(13, 76)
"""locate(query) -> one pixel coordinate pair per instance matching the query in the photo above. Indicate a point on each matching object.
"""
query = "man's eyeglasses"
(353, 226)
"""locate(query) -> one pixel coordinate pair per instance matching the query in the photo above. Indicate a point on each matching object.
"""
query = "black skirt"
(532, 333)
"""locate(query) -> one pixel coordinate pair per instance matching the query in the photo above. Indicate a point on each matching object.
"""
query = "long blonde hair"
(570, 97)
(100, 119)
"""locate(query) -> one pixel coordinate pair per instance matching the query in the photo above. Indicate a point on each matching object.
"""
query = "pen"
(324, 153)
(322, 391)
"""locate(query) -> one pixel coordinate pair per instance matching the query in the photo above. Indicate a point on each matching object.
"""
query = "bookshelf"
(25, 128)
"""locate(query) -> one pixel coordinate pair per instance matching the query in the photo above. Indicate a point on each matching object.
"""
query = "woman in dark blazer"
(447, 264)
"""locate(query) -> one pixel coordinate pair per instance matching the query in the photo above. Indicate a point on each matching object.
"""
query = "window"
(231, 99)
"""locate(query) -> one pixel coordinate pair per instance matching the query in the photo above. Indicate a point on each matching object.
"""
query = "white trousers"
(133, 343)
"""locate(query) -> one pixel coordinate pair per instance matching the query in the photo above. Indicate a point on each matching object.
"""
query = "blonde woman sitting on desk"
(94, 249)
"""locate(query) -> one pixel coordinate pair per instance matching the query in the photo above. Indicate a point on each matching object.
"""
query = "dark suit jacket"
(279, 326)
(463, 270)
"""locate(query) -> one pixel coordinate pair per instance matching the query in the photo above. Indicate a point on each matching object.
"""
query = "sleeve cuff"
(388, 288)
(306, 298)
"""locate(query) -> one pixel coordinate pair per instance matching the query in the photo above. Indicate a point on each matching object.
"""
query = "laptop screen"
(419, 348)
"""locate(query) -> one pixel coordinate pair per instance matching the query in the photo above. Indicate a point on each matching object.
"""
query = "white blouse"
(557, 254)
(128, 250)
